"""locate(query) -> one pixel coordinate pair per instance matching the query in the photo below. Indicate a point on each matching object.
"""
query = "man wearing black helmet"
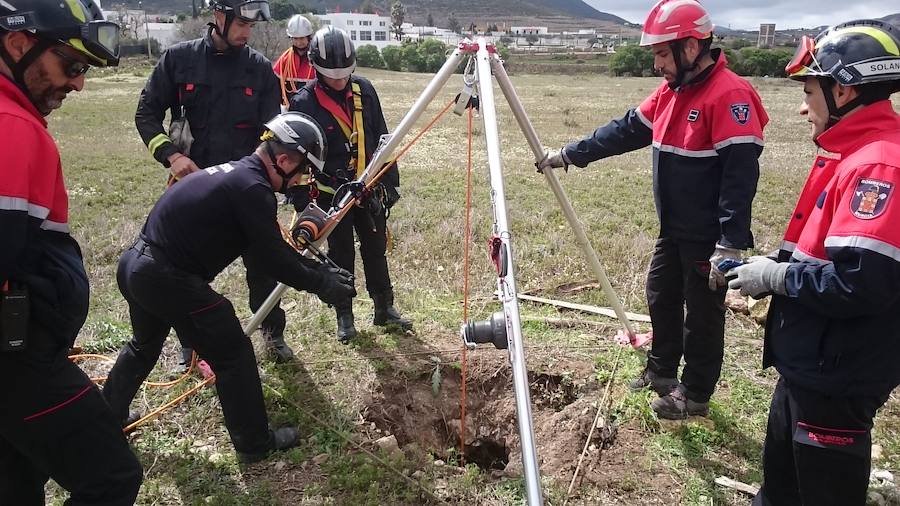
(348, 108)
(165, 276)
(53, 420)
(833, 329)
(226, 91)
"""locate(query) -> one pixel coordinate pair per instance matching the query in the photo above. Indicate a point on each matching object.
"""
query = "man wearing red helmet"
(706, 127)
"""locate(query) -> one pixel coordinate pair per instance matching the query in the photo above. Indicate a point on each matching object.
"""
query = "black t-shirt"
(211, 217)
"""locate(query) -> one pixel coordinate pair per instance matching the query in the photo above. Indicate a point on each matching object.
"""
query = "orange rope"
(466, 241)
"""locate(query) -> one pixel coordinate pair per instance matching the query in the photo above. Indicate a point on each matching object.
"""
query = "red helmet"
(676, 19)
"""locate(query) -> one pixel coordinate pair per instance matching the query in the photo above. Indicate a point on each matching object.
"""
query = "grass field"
(345, 397)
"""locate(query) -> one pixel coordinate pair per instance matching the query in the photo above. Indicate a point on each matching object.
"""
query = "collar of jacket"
(212, 49)
(719, 60)
(12, 91)
(859, 128)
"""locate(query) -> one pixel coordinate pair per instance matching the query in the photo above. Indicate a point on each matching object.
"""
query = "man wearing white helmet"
(293, 67)
(349, 111)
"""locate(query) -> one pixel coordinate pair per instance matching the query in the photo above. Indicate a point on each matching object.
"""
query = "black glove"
(336, 287)
(391, 196)
(373, 200)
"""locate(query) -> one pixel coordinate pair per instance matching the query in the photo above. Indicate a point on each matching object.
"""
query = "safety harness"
(352, 129)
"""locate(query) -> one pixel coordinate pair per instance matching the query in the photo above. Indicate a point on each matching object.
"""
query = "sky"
(748, 14)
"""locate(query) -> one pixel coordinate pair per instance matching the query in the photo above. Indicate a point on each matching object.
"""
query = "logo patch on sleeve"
(870, 198)
(740, 113)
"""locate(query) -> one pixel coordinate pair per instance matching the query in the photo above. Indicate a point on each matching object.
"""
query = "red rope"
(466, 241)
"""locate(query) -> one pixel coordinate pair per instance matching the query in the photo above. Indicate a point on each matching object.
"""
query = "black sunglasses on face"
(72, 68)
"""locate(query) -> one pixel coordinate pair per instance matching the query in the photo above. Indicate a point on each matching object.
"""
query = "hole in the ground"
(423, 409)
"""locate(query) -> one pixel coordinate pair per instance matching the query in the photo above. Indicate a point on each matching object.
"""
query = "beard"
(44, 95)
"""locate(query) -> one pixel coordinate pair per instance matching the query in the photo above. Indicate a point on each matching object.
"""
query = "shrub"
(393, 57)
(369, 56)
(634, 60)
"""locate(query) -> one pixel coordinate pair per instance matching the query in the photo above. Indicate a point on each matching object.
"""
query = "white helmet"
(299, 26)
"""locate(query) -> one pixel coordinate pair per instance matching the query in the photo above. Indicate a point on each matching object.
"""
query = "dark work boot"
(278, 349)
(345, 329)
(648, 378)
(386, 314)
(280, 439)
(676, 406)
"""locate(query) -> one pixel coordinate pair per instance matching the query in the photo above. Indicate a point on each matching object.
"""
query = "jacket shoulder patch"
(870, 198)
(740, 113)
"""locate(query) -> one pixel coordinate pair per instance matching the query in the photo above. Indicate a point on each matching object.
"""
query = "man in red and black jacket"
(53, 421)
(706, 127)
(226, 90)
(833, 328)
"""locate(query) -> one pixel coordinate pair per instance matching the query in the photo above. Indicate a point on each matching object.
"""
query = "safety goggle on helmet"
(76, 23)
(852, 53)
(250, 11)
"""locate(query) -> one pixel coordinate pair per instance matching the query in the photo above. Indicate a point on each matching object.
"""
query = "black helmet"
(856, 53)
(248, 10)
(298, 132)
(77, 23)
(332, 53)
(852, 53)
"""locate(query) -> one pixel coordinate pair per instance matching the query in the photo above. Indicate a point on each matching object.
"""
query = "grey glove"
(553, 158)
(759, 277)
(717, 277)
(336, 287)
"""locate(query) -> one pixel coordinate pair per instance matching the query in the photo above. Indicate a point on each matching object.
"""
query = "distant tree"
(366, 7)
(740, 43)
(398, 16)
(429, 20)
(433, 53)
(506, 41)
(393, 57)
(368, 56)
(473, 28)
(633, 60)
(282, 9)
(531, 39)
(493, 28)
(412, 60)
(453, 24)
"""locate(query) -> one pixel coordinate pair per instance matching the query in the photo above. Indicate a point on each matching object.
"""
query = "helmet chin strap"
(836, 113)
(18, 68)
(681, 70)
(223, 33)
(285, 176)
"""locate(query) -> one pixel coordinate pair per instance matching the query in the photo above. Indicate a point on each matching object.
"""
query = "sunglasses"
(72, 68)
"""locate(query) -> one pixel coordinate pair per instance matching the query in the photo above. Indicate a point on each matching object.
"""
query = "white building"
(363, 28)
(528, 30)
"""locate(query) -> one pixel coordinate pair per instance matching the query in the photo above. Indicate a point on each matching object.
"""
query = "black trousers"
(372, 233)
(261, 286)
(55, 424)
(161, 297)
(818, 449)
(678, 279)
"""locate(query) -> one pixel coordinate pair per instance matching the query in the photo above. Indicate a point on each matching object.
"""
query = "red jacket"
(37, 250)
(707, 137)
(293, 72)
(838, 329)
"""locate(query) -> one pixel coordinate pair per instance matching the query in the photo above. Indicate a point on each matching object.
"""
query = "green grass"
(113, 183)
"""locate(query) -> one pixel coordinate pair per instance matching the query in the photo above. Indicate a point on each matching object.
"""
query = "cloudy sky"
(748, 14)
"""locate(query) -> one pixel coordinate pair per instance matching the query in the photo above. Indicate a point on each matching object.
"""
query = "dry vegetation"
(407, 385)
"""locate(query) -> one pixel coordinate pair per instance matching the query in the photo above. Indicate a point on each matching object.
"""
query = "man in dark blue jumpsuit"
(196, 229)
(53, 420)
(226, 90)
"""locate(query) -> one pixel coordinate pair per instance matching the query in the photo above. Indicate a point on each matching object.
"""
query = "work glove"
(759, 277)
(553, 158)
(336, 286)
(716, 277)
(391, 196)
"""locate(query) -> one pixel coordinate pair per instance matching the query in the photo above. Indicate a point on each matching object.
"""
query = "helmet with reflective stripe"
(853, 53)
(77, 23)
(671, 20)
(332, 53)
(299, 26)
(298, 132)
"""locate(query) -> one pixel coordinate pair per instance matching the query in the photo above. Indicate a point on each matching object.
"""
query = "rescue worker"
(349, 111)
(196, 229)
(293, 67)
(226, 90)
(53, 420)
(706, 127)
(833, 328)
